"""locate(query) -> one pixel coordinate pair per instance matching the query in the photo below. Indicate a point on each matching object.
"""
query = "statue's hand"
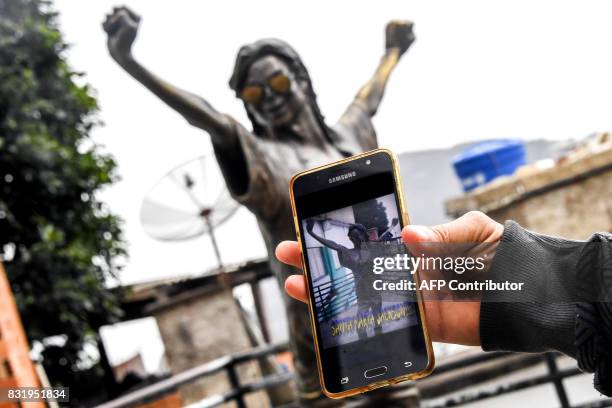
(399, 35)
(121, 26)
(309, 225)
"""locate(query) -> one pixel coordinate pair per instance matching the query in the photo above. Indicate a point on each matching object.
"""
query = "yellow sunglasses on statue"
(253, 93)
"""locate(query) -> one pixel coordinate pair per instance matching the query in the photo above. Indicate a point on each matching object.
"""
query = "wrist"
(125, 60)
(393, 53)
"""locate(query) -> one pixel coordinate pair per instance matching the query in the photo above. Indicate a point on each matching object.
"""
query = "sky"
(478, 70)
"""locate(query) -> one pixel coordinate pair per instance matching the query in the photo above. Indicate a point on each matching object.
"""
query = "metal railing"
(553, 376)
(225, 364)
(334, 296)
(469, 371)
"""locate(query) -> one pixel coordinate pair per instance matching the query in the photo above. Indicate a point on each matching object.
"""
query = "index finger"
(288, 252)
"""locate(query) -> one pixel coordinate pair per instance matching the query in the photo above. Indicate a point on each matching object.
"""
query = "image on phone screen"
(341, 246)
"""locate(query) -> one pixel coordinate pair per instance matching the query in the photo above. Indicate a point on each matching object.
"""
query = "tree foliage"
(63, 241)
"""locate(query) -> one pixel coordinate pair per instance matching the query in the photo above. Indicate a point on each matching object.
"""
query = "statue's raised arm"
(398, 38)
(327, 242)
(121, 27)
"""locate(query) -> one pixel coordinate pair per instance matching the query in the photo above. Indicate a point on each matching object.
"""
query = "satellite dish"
(189, 201)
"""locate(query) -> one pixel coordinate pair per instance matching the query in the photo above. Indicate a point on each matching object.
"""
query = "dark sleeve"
(542, 316)
(566, 304)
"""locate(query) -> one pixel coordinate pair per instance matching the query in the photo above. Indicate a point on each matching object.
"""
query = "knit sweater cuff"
(541, 317)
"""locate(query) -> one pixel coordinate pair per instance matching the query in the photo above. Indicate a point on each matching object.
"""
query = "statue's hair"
(359, 227)
(250, 53)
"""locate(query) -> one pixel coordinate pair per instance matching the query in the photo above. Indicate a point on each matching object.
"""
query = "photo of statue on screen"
(341, 246)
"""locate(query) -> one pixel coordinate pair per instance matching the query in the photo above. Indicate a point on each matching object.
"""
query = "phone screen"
(348, 217)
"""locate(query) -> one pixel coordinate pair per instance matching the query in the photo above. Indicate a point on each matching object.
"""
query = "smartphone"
(348, 215)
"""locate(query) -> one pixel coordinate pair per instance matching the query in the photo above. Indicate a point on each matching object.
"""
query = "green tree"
(61, 244)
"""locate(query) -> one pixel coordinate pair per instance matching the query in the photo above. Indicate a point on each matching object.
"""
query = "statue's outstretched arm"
(122, 26)
(327, 242)
(399, 37)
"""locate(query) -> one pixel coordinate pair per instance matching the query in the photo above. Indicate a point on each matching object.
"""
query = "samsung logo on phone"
(342, 177)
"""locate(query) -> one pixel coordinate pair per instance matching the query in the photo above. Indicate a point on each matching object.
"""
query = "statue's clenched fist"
(121, 26)
(398, 34)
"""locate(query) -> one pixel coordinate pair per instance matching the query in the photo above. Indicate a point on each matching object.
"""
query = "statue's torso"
(285, 160)
(272, 162)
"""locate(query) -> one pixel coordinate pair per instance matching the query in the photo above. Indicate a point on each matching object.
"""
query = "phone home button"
(375, 372)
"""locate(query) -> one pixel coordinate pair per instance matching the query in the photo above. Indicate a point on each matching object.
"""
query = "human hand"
(448, 321)
(309, 225)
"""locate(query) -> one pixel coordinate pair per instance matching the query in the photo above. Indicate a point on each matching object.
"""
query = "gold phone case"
(405, 221)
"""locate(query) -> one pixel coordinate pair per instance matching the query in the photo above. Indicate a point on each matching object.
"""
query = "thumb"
(419, 234)
(473, 227)
(421, 239)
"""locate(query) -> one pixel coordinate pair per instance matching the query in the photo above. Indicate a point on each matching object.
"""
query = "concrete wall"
(429, 179)
(573, 211)
(572, 199)
(201, 329)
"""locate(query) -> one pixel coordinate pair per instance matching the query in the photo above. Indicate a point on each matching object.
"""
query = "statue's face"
(271, 92)
(357, 237)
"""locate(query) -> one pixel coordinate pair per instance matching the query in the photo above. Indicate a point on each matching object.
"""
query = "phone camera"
(368, 162)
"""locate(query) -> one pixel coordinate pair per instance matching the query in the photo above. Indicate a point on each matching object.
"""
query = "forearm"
(195, 109)
(542, 316)
(328, 243)
(566, 305)
(372, 92)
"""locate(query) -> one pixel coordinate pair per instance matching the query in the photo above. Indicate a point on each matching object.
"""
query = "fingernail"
(423, 233)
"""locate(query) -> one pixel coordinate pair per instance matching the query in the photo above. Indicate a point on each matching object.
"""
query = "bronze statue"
(288, 135)
(359, 261)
